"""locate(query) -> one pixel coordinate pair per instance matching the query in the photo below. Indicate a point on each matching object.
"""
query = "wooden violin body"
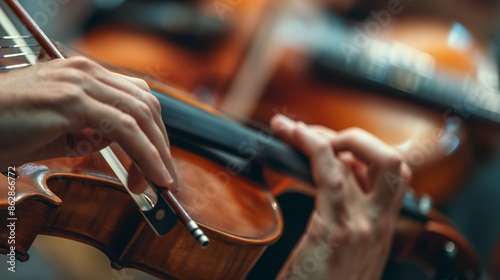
(81, 199)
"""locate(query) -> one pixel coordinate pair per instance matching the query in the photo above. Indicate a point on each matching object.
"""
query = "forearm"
(314, 256)
(309, 260)
(335, 251)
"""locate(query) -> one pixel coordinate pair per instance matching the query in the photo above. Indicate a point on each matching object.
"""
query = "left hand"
(350, 231)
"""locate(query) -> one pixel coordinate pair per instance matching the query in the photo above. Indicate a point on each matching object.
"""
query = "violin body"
(81, 199)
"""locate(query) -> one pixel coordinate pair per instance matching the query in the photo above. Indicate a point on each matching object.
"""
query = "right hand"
(47, 109)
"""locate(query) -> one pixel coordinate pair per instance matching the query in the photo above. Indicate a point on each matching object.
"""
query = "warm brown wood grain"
(240, 218)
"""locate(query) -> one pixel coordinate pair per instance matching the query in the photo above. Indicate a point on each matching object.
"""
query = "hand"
(47, 110)
(351, 228)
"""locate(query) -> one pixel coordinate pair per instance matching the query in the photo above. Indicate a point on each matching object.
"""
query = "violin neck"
(190, 124)
(385, 66)
(244, 146)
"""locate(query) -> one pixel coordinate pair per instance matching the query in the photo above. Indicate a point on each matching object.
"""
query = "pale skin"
(46, 107)
(350, 231)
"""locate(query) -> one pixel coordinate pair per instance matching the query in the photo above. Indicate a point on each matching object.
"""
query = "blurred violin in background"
(241, 67)
(259, 57)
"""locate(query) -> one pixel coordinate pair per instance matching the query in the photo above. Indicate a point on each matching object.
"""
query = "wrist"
(322, 232)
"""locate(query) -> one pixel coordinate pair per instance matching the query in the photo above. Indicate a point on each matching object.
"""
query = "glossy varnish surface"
(239, 218)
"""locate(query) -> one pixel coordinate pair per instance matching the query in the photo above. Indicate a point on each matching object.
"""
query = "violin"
(241, 223)
(240, 226)
(262, 66)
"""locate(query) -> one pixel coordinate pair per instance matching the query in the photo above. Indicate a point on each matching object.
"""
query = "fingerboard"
(17, 47)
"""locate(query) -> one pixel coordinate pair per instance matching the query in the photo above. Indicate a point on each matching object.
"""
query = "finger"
(325, 131)
(332, 178)
(284, 128)
(359, 169)
(118, 84)
(140, 89)
(311, 143)
(384, 161)
(134, 107)
(124, 129)
(145, 95)
(136, 87)
(135, 180)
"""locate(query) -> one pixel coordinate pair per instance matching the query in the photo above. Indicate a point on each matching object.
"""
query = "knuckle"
(318, 127)
(73, 75)
(333, 182)
(364, 231)
(155, 103)
(323, 147)
(355, 132)
(142, 84)
(69, 94)
(392, 160)
(81, 62)
(128, 122)
(144, 111)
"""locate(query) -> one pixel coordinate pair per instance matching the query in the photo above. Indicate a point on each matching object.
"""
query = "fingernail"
(406, 172)
(302, 126)
(285, 122)
(168, 176)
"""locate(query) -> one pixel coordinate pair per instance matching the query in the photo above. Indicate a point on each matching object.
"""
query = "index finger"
(390, 175)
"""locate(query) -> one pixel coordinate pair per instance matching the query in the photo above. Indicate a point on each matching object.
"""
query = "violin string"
(11, 37)
(14, 66)
(16, 37)
(10, 55)
(18, 46)
(170, 200)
